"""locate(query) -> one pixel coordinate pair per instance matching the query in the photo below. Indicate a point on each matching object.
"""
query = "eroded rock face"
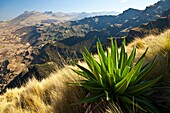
(3, 73)
(3, 67)
(153, 27)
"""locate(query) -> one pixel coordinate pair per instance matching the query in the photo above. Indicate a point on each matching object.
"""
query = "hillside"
(153, 27)
(20, 30)
(107, 26)
(53, 95)
(116, 26)
(33, 49)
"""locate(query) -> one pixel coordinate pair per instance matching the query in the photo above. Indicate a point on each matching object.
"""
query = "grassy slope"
(53, 95)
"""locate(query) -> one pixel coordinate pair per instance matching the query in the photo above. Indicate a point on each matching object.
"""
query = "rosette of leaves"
(117, 78)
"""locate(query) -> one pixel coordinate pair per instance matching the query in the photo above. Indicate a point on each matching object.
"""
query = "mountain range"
(115, 26)
(29, 18)
(40, 41)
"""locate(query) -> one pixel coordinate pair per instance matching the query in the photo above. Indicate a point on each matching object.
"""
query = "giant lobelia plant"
(117, 78)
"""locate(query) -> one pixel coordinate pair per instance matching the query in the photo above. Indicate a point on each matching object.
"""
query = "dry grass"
(53, 95)
(158, 46)
(49, 95)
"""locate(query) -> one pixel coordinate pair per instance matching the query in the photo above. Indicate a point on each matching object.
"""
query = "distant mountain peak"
(26, 11)
(30, 12)
(48, 12)
(131, 10)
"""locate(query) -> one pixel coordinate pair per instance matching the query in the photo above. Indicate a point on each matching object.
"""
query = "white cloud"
(123, 1)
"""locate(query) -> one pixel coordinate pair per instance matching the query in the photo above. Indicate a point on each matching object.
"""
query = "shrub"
(116, 78)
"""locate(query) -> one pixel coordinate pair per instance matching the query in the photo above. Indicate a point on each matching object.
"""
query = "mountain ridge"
(48, 43)
(49, 15)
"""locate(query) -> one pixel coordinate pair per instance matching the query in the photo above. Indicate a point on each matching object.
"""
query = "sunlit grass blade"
(118, 72)
(103, 56)
(122, 85)
(137, 69)
(125, 71)
(116, 54)
(108, 80)
(122, 60)
(96, 65)
(112, 80)
(144, 71)
(144, 54)
(110, 62)
(93, 64)
(113, 51)
(86, 72)
(116, 75)
(103, 67)
(131, 58)
(87, 60)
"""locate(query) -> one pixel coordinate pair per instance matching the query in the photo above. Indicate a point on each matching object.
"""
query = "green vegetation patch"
(117, 78)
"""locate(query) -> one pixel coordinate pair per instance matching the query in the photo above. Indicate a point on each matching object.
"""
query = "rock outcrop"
(153, 27)
(3, 68)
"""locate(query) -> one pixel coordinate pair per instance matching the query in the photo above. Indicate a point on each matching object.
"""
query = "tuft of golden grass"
(53, 95)
(139, 43)
(50, 95)
(159, 46)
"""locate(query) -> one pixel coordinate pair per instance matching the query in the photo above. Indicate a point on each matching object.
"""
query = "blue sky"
(12, 8)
